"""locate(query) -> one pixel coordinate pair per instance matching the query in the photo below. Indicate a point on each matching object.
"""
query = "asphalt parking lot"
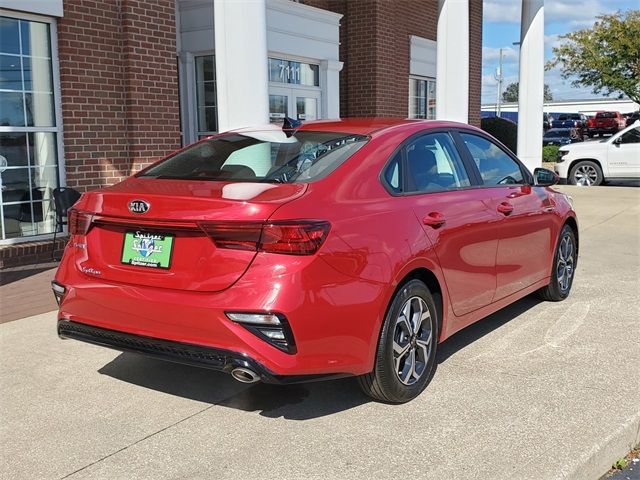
(536, 391)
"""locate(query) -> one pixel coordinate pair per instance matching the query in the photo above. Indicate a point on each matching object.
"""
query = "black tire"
(384, 383)
(586, 173)
(558, 290)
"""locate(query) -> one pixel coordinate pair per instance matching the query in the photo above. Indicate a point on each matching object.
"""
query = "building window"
(206, 95)
(292, 72)
(422, 98)
(29, 130)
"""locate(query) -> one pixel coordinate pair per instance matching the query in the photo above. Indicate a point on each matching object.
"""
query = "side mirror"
(544, 177)
(617, 141)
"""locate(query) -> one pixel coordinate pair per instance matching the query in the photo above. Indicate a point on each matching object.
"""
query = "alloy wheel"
(585, 175)
(565, 263)
(412, 340)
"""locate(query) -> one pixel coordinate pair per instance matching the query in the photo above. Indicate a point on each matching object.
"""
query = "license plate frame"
(147, 249)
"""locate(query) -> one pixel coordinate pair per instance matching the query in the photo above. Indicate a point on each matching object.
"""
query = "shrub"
(550, 153)
(504, 130)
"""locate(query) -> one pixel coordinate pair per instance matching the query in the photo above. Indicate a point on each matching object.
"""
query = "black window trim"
(465, 155)
(524, 171)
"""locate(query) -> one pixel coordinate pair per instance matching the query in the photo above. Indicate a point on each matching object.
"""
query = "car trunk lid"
(166, 245)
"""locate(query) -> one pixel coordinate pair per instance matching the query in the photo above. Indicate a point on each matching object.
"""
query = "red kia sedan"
(337, 248)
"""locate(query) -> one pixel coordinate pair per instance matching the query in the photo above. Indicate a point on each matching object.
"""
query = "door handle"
(505, 208)
(434, 220)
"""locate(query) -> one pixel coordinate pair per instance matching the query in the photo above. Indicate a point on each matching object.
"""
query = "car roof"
(368, 126)
(363, 126)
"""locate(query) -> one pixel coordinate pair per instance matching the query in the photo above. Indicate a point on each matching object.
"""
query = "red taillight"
(235, 235)
(79, 222)
(302, 237)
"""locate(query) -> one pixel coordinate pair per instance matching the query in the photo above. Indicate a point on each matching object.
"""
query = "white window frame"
(318, 92)
(58, 129)
(426, 79)
(188, 94)
(196, 124)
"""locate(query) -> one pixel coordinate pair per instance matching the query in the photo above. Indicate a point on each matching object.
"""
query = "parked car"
(606, 122)
(631, 118)
(547, 119)
(593, 163)
(571, 120)
(337, 248)
(561, 136)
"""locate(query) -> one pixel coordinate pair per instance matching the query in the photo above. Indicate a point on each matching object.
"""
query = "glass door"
(307, 106)
(297, 103)
(279, 104)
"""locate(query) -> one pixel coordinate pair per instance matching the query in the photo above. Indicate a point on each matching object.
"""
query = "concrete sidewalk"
(536, 391)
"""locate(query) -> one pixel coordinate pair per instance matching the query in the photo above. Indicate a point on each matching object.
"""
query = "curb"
(596, 462)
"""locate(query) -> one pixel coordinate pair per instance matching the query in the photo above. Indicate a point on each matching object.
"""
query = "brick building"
(91, 91)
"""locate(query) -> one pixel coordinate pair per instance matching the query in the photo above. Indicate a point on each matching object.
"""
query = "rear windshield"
(606, 115)
(261, 156)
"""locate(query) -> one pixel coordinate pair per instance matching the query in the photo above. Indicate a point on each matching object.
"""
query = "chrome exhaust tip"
(245, 375)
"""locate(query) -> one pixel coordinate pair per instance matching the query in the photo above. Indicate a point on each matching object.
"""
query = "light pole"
(499, 78)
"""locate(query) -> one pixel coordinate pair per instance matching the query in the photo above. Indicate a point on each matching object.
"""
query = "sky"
(501, 27)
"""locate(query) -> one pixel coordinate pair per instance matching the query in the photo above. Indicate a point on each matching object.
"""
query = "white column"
(531, 92)
(330, 83)
(452, 68)
(241, 63)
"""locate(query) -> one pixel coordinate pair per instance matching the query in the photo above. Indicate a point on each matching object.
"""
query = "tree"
(605, 58)
(510, 93)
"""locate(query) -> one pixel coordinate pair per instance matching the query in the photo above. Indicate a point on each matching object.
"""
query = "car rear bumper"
(334, 319)
(179, 352)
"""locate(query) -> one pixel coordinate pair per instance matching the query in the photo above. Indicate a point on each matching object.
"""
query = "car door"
(525, 229)
(454, 216)
(623, 155)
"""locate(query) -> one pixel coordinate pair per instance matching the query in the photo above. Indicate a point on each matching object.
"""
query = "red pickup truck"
(606, 122)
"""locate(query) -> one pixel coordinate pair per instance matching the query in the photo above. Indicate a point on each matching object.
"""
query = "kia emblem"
(139, 206)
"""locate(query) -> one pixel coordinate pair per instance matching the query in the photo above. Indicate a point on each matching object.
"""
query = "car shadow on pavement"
(292, 402)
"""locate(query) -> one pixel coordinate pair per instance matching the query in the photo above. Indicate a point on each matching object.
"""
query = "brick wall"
(119, 87)
(375, 49)
(475, 61)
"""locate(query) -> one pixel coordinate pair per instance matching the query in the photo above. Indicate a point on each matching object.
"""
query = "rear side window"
(392, 173)
(260, 156)
(495, 166)
(632, 136)
(433, 164)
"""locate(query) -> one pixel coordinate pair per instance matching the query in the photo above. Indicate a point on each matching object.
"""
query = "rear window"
(606, 115)
(260, 156)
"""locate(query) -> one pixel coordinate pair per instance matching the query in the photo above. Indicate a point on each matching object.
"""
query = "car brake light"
(303, 237)
(234, 235)
(79, 222)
